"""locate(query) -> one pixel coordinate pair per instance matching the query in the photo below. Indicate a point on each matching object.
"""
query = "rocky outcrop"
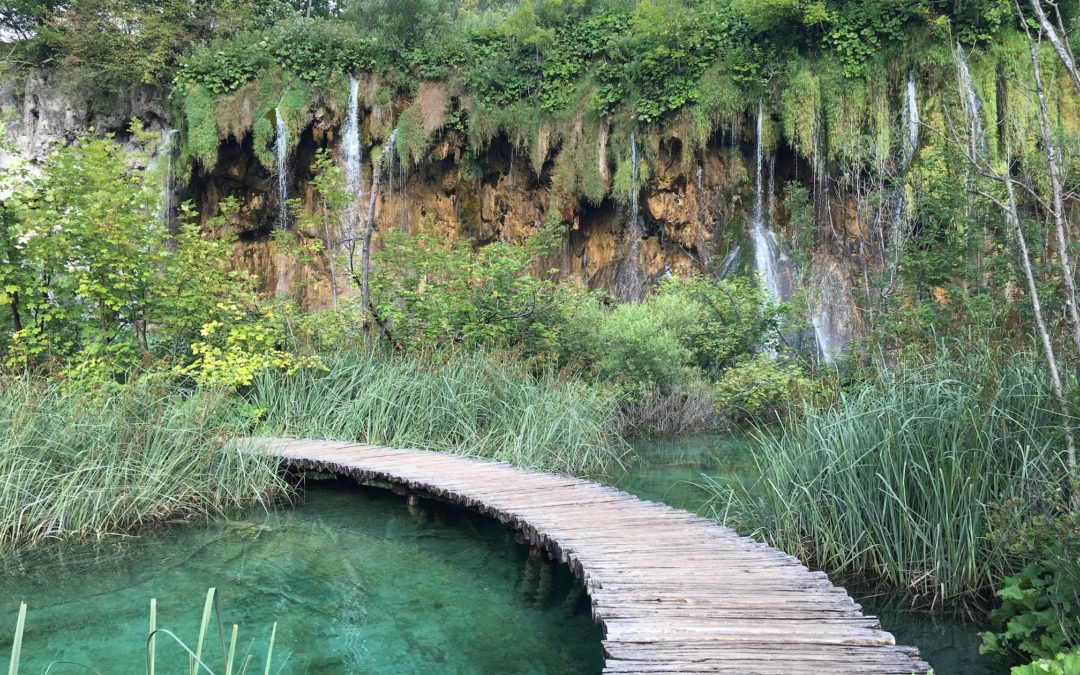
(45, 109)
(693, 211)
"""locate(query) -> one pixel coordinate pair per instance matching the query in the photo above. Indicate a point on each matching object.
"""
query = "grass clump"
(468, 404)
(78, 463)
(899, 482)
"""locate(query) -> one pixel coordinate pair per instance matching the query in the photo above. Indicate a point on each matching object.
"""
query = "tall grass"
(94, 463)
(469, 404)
(897, 482)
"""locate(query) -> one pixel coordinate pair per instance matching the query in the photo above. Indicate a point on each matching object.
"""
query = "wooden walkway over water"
(672, 592)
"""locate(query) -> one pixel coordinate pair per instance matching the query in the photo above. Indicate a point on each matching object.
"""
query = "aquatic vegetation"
(897, 482)
(468, 403)
(106, 462)
(197, 661)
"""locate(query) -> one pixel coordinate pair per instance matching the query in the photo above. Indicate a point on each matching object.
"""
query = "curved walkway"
(673, 592)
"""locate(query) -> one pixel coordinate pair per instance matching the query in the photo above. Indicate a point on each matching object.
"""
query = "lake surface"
(671, 471)
(357, 581)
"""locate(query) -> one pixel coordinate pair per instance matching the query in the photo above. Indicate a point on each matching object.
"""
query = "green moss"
(202, 135)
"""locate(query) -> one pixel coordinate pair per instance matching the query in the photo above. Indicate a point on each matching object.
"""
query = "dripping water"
(827, 344)
(352, 151)
(766, 260)
(729, 261)
(913, 121)
(973, 106)
(163, 164)
(383, 165)
(630, 282)
(281, 149)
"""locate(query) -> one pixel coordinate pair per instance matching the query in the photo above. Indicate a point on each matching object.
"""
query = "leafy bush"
(94, 281)
(642, 344)
(1039, 615)
(762, 388)
(425, 293)
(1065, 663)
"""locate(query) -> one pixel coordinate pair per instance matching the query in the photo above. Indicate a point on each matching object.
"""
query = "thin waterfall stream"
(162, 164)
(630, 283)
(766, 258)
(281, 151)
(351, 150)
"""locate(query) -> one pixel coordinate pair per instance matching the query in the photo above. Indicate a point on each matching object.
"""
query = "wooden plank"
(673, 592)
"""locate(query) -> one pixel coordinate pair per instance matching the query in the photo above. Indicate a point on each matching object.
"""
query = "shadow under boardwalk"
(673, 592)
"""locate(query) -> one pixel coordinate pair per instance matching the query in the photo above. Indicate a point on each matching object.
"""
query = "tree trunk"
(1013, 215)
(1060, 46)
(369, 228)
(330, 253)
(1061, 225)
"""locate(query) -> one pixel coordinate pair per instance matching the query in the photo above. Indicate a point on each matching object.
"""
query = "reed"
(198, 661)
(897, 483)
(95, 464)
(468, 404)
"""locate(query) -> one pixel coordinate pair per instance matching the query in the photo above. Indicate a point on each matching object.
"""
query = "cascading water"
(973, 107)
(351, 150)
(766, 258)
(630, 283)
(913, 121)
(281, 149)
(729, 261)
(163, 165)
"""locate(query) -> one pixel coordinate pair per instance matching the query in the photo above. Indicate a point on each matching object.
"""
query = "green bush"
(763, 388)
(642, 344)
(1039, 615)
(1065, 663)
(426, 294)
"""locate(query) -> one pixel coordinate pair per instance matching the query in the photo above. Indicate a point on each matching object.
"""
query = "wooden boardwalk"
(672, 592)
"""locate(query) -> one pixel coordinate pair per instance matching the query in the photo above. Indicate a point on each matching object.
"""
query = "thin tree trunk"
(1056, 40)
(369, 228)
(1061, 224)
(1013, 215)
(330, 253)
(16, 320)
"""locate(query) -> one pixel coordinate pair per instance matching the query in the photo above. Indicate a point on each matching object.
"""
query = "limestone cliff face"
(45, 110)
(693, 214)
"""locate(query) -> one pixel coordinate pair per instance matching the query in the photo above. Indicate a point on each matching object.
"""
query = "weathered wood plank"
(672, 591)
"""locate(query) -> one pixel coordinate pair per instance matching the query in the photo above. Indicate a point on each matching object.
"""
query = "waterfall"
(828, 345)
(973, 106)
(729, 261)
(163, 163)
(281, 149)
(351, 151)
(630, 281)
(766, 258)
(913, 121)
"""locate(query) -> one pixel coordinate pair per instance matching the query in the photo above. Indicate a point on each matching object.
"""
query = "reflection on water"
(671, 471)
(357, 580)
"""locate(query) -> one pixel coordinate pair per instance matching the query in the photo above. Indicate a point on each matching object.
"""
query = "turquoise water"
(672, 471)
(356, 580)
